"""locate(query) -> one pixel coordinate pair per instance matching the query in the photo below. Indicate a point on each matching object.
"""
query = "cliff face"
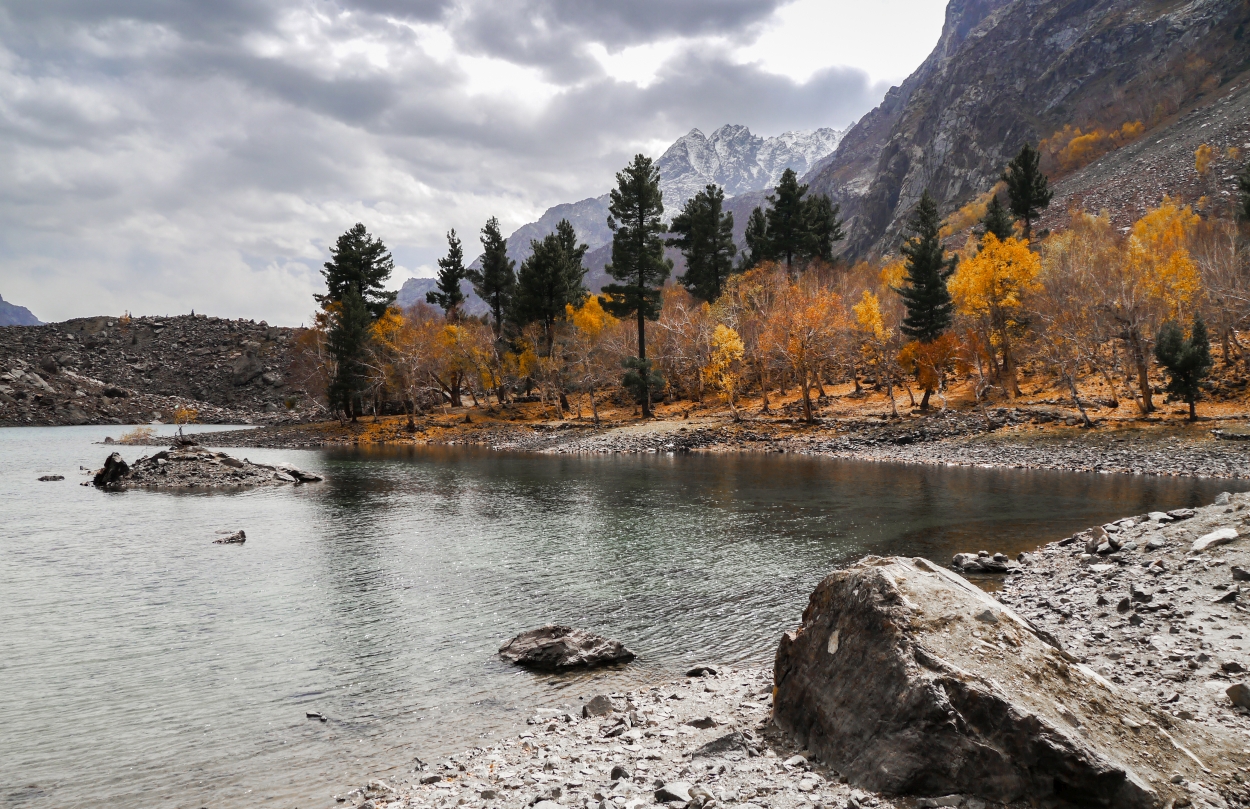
(1006, 72)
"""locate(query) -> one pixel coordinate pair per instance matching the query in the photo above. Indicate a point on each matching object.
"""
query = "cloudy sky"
(159, 156)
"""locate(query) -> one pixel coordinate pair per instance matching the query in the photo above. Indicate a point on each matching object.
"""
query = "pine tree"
(997, 221)
(758, 248)
(925, 295)
(550, 280)
(705, 238)
(347, 339)
(362, 263)
(787, 220)
(638, 262)
(822, 227)
(1027, 188)
(446, 294)
(1187, 361)
(1243, 186)
(495, 283)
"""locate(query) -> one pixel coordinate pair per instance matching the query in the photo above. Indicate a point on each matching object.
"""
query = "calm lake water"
(142, 665)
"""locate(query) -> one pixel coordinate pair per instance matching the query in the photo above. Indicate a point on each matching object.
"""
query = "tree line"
(1085, 302)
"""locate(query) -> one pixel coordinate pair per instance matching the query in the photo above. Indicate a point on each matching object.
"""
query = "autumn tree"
(360, 262)
(876, 342)
(1027, 188)
(590, 358)
(550, 280)
(638, 263)
(705, 238)
(1187, 360)
(802, 327)
(446, 294)
(495, 282)
(722, 370)
(990, 287)
(924, 292)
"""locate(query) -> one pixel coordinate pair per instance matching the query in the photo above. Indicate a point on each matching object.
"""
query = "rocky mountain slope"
(731, 157)
(13, 315)
(107, 370)
(1009, 71)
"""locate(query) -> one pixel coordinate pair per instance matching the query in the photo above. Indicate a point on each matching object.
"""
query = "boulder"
(1214, 539)
(115, 468)
(555, 648)
(599, 705)
(51, 478)
(896, 679)
(237, 538)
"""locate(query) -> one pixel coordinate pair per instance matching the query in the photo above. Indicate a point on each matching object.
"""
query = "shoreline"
(1148, 613)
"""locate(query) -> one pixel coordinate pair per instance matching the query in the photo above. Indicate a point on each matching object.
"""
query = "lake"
(142, 664)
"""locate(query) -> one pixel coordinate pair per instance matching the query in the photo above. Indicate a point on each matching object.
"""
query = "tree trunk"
(1076, 398)
(642, 355)
(1193, 410)
(924, 402)
(1143, 372)
(1010, 380)
(807, 397)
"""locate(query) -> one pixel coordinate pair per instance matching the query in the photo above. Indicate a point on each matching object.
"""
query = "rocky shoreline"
(1157, 616)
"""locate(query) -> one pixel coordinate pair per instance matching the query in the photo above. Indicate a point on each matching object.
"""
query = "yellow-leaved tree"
(1202, 159)
(723, 369)
(876, 342)
(990, 288)
(588, 349)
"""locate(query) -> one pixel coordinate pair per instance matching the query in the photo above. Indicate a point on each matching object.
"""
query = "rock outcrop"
(192, 466)
(557, 648)
(909, 680)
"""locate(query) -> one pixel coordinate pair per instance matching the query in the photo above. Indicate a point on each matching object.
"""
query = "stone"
(911, 703)
(297, 474)
(796, 761)
(599, 705)
(1223, 499)
(115, 468)
(1159, 516)
(935, 803)
(678, 791)
(619, 772)
(1141, 594)
(318, 715)
(729, 743)
(51, 478)
(237, 538)
(1240, 573)
(702, 723)
(1231, 667)
(1223, 536)
(1181, 513)
(702, 670)
(1240, 695)
(431, 779)
(557, 648)
(1124, 606)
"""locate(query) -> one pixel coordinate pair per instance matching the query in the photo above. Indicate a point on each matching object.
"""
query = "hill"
(13, 315)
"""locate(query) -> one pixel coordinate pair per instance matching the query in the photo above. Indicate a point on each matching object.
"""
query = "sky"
(164, 156)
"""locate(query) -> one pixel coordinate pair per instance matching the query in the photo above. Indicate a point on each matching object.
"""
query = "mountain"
(14, 315)
(1006, 72)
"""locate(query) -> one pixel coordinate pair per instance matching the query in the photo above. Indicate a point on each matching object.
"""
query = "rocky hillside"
(107, 370)
(1009, 71)
(13, 315)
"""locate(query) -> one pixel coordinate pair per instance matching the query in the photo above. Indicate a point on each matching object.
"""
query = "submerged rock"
(554, 648)
(899, 680)
(115, 468)
(237, 538)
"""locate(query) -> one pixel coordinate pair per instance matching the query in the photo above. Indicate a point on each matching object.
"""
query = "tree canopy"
(362, 263)
(997, 221)
(1027, 187)
(446, 294)
(551, 279)
(705, 238)
(1186, 360)
(795, 227)
(924, 292)
(495, 282)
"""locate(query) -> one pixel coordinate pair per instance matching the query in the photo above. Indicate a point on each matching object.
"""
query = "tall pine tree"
(705, 238)
(495, 283)
(446, 294)
(1187, 361)
(550, 279)
(795, 228)
(348, 341)
(823, 227)
(1027, 188)
(359, 262)
(924, 293)
(997, 221)
(638, 262)
(756, 239)
(1243, 187)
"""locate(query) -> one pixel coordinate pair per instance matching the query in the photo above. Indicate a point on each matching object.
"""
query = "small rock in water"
(51, 478)
(237, 538)
(556, 648)
(702, 670)
(316, 715)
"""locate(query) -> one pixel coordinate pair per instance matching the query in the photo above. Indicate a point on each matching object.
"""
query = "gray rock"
(729, 743)
(1222, 536)
(1181, 513)
(897, 707)
(1240, 695)
(678, 791)
(51, 478)
(237, 538)
(1240, 573)
(702, 723)
(599, 705)
(115, 468)
(1223, 499)
(619, 772)
(556, 648)
(701, 670)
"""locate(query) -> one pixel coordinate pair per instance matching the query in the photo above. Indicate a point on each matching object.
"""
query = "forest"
(977, 301)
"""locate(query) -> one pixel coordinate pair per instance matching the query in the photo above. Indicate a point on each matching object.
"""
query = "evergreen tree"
(787, 220)
(446, 294)
(638, 262)
(551, 278)
(1187, 361)
(822, 227)
(347, 340)
(705, 237)
(1027, 188)
(997, 221)
(925, 295)
(362, 263)
(1243, 186)
(495, 283)
(756, 239)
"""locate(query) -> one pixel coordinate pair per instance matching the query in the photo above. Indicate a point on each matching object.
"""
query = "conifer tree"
(495, 283)
(1243, 186)
(638, 262)
(1187, 361)
(822, 227)
(756, 240)
(787, 220)
(551, 279)
(446, 294)
(795, 227)
(347, 340)
(359, 262)
(1027, 188)
(997, 221)
(925, 295)
(705, 238)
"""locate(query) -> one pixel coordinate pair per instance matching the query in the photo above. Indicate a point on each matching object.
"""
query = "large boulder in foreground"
(909, 680)
(555, 648)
